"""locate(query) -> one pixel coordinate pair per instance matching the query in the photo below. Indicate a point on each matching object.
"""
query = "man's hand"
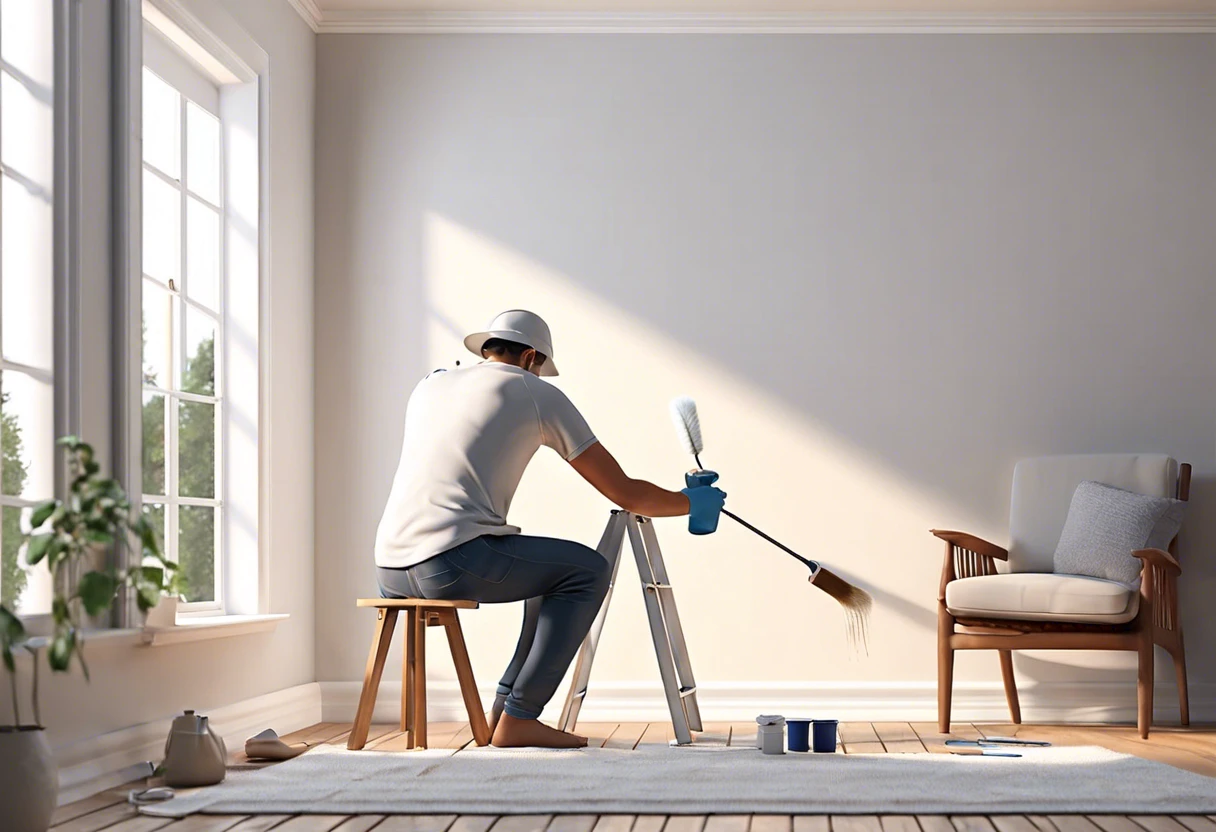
(601, 469)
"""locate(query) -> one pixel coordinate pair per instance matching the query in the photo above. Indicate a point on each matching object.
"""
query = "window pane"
(198, 376)
(27, 422)
(27, 132)
(27, 296)
(196, 449)
(202, 254)
(155, 514)
(27, 35)
(162, 229)
(154, 444)
(203, 153)
(162, 125)
(158, 335)
(25, 589)
(196, 551)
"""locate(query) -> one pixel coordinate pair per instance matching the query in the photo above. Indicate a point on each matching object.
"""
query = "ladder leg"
(610, 548)
(654, 592)
(675, 632)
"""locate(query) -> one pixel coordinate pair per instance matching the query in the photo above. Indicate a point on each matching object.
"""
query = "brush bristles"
(855, 601)
(688, 424)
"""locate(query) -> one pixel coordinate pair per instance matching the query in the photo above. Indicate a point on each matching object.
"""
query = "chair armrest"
(1159, 558)
(966, 556)
(971, 543)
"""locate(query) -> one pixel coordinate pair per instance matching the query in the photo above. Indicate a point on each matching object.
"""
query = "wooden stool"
(419, 614)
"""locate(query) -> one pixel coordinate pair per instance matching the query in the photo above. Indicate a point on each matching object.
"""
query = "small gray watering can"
(194, 754)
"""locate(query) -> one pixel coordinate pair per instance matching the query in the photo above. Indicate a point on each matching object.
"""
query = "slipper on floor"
(268, 746)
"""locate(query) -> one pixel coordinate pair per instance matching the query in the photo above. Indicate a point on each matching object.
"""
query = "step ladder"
(669, 647)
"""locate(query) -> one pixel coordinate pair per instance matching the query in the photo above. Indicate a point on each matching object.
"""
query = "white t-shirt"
(469, 435)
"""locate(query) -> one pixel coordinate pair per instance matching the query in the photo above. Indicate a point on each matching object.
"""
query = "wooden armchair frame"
(1157, 621)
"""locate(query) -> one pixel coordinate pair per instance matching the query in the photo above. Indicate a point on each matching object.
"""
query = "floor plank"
(1196, 823)
(972, 823)
(359, 823)
(1158, 823)
(1012, 823)
(649, 823)
(416, 823)
(626, 735)
(743, 733)
(935, 823)
(899, 738)
(614, 823)
(715, 733)
(899, 823)
(1115, 823)
(598, 733)
(811, 823)
(771, 823)
(140, 823)
(727, 823)
(572, 823)
(521, 823)
(1070, 823)
(206, 823)
(856, 823)
(311, 823)
(859, 738)
(472, 823)
(98, 820)
(83, 807)
(684, 823)
(657, 733)
(260, 823)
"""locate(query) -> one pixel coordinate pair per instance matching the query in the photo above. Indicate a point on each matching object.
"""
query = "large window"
(183, 320)
(27, 313)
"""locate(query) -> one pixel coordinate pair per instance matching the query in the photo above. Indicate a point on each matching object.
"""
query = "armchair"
(1025, 606)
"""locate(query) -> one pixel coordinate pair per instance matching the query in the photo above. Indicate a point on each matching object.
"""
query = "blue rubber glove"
(704, 501)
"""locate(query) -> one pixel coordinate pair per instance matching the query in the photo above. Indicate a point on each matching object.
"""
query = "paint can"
(823, 739)
(798, 734)
(770, 734)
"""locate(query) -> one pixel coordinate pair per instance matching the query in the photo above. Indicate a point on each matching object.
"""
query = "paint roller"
(855, 601)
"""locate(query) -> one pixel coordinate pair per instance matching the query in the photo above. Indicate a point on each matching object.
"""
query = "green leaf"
(59, 610)
(154, 575)
(98, 536)
(12, 632)
(43, 513)
(96, 591)
(39, 544)
(147, 597)
(7, 652)
(70, 442)
(63, 645)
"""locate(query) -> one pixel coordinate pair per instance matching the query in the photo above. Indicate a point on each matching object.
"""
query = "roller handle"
(812, 564)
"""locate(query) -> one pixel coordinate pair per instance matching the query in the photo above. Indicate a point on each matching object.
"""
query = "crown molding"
(431, 22)
(310, 11)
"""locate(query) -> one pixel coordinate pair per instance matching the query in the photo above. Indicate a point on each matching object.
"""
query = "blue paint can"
(798, 734)
(824, 736)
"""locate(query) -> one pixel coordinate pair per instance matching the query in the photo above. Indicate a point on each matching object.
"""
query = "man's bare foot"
(532, 733)
(495, 715)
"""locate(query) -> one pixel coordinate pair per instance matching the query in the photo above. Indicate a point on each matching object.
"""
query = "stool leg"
(407, 683)
(419, 733)
(464, 672)
(386, 620)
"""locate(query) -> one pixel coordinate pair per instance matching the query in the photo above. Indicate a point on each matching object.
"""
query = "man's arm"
(601, 469)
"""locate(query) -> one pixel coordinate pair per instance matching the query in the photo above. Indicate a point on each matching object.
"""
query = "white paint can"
(770, 734)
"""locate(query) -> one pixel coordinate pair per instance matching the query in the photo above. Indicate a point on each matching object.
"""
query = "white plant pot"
(29, 780)
(164, 614)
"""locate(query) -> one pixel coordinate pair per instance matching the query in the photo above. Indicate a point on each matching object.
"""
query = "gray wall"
(887, 266)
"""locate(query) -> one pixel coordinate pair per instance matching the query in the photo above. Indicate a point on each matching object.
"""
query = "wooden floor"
(1189, 748)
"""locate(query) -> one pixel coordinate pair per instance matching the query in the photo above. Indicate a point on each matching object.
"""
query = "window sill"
(205, 627)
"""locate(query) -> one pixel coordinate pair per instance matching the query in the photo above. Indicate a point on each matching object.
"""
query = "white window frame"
(212, 41)
(192, 88)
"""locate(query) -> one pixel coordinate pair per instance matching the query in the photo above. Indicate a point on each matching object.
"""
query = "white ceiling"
(756, 16)
(770, 6)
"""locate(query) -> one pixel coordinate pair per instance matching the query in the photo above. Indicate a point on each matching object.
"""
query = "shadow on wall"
(884, 282)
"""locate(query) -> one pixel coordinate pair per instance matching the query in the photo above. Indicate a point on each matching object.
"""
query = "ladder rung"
(658, 586)
(690, 691)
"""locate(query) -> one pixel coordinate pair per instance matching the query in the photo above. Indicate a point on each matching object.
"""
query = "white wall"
(133, 685)
(887, 267)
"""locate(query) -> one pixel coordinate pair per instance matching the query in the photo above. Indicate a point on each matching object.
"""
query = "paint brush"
(855, 600)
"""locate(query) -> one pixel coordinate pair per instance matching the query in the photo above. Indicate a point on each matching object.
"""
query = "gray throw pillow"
(1105, 524)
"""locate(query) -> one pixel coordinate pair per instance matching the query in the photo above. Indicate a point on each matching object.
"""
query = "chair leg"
(945, 669)
(464, 673)
(1011, 686)
(419, 733)
(1144, 685)
(386, 620)
(1184, 700)
(407, 683)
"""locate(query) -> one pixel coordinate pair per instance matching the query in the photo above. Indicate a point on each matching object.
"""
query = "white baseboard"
(1089, 702)
(105, 761)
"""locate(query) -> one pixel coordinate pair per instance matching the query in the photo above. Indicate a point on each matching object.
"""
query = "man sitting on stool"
(469, 435)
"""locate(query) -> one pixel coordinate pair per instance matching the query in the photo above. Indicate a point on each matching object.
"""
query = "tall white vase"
(29, 780)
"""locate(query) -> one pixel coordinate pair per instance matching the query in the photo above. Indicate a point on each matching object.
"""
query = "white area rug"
(659, 780)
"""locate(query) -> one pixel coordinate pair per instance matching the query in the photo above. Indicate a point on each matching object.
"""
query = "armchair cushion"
(1106, 524)
(1034, 596)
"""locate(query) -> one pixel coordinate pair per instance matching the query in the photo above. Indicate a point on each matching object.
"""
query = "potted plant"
(72, 536)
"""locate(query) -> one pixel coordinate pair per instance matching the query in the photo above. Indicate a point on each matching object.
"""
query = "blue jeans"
(561, 582)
